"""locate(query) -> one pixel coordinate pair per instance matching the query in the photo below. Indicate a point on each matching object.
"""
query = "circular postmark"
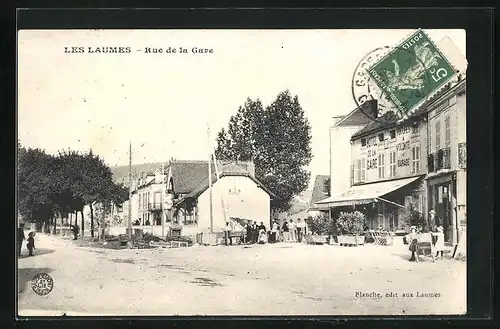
(42, 284)
(401, 82)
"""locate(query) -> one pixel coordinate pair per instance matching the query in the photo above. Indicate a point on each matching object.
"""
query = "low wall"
(157, 230)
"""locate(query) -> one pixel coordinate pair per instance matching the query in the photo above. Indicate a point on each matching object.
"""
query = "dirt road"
(279, 279)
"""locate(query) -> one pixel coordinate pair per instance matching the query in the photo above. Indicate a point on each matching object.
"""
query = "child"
(31, 243)
(262, 236)
(439, 245)
(412, 239)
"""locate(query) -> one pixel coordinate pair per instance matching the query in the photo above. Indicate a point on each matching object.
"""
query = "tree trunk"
(55, 224)
(83, 223)
(91, 220)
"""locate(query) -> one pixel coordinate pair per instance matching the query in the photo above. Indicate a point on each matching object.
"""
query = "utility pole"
(130, 193)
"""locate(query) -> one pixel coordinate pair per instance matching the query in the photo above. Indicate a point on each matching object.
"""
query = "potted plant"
(321, 227)
(351, 227)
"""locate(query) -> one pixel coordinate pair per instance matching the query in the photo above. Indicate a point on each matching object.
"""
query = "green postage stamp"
(412, 72)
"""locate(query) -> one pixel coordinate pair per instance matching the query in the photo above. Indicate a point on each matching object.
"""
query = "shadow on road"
(36, 252)
(25, 275)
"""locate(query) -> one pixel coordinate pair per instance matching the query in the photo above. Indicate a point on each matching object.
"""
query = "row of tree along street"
(52, 186)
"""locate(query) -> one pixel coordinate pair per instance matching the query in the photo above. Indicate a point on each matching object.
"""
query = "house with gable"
(179, 194)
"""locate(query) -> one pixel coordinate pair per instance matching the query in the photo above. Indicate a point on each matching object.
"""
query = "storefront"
(381, 202)
(442, 198)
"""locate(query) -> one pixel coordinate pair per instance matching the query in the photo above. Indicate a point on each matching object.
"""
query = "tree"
(277, 139)
(36, 178)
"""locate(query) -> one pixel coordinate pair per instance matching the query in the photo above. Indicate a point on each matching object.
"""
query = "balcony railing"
(439, 160)
(154, 206)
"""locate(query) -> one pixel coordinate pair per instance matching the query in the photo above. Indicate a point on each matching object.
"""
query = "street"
(271, 279)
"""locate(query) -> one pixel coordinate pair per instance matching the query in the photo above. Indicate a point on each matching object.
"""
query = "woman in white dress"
(439, 246)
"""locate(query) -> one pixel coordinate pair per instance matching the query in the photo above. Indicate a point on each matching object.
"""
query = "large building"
(419, 161)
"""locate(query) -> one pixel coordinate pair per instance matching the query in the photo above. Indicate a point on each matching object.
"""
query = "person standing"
(255, 232)
(439, 245)
(31, 243)
(20, 238)
(286, 231)
(249, 236)
(412, 239)
(301, 230)
(274, 232)
(293, 231)
(228, 231)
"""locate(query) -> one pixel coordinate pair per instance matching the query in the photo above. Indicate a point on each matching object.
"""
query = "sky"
(164, 102)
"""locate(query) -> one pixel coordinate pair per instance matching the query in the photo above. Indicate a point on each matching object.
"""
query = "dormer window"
(381, 137)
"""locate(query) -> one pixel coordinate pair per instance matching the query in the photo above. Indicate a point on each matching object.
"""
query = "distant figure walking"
(31, 243)
(301, 230)
(20, 238)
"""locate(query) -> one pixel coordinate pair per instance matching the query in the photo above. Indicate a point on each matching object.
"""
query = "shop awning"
(362, 194)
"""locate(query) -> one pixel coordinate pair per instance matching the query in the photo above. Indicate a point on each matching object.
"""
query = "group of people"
(436, 238)
(289, 231)
(21, 237)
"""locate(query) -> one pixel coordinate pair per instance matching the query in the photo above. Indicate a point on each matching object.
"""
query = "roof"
(187, 175)
(317, 193)
(227, 170)
(361, 115)
(366, 193)
(389, 119)
(120, 173)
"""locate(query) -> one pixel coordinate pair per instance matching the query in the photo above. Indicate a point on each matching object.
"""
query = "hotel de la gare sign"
(394, 152)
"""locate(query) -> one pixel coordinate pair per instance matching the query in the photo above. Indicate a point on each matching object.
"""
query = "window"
(415, 160)
(363, 141)
(381, 167)
(381, 137)
(392, 164)
(326, 186)
(393, 133)
(438, 135)
(447, 139)
(358, 171)
(363, 170)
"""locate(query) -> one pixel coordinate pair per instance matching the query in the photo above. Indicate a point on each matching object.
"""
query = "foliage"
(51, 185)
(410, 216)
(321, 224)
(277, 139)
(352, 223)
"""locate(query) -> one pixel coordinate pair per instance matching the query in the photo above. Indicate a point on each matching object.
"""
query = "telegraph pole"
(130, 193)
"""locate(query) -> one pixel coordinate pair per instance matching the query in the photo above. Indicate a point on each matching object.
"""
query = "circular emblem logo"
(42, 284)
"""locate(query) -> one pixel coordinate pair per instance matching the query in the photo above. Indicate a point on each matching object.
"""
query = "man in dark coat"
(20, 238)
(255, 232)
(249, 236)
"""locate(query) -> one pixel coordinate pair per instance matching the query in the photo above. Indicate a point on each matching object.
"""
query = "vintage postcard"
(241, 172)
